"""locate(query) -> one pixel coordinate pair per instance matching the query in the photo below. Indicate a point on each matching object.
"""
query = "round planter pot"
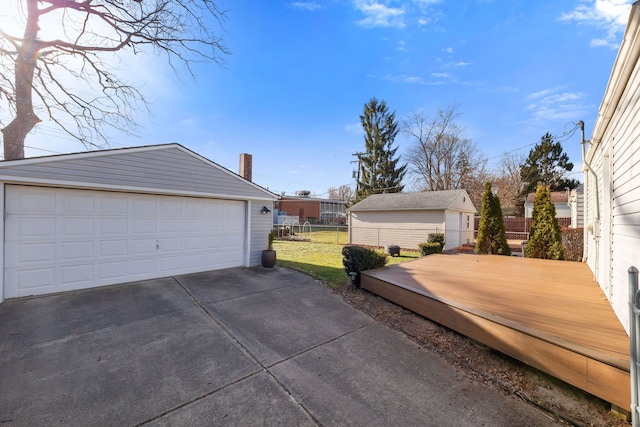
(268, 258)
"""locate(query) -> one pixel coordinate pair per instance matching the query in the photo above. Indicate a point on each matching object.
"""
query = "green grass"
(323, 261)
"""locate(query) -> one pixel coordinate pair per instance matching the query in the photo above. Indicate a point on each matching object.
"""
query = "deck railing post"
(634, 329)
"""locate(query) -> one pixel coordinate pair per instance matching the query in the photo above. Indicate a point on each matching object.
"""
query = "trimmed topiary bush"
(428, 248)
(545, 238)
(357, 259)
(491, 232)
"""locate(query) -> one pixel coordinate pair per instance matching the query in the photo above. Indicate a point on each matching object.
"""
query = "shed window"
(468, 221)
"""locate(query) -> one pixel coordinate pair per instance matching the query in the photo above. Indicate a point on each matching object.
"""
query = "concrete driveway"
(245, 347)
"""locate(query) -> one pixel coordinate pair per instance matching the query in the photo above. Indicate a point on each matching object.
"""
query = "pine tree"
(379, 170)
(548, 164)
(545, 239)
(491, 231)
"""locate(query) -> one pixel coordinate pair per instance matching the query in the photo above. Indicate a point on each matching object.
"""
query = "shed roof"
(427, 200)
(166, 169)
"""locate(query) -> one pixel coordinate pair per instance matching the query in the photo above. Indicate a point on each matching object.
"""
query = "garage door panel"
(78, 203)
(113, 204)
(63, 239)
(143, 266)
(29, 228)
(143, 246)
(33, 199)
(143, 226)
(76, 274)
(170, 225)
(77, 226)
(145, 206)
(113, 248)
(113, 226)
(76, 250)
(32, 279)
(109, 271)
(34, 252)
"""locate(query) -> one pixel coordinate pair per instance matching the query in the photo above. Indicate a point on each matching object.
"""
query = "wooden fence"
(517, 228)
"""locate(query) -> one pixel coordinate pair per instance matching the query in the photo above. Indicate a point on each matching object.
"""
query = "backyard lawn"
(323, 260)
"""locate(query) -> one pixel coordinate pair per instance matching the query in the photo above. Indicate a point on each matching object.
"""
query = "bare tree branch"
(90, 32)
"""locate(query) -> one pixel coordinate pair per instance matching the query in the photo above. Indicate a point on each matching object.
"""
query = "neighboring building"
(407, 219)
(612, 176)
(314, 210)
(576, 205)
(90, 219)
(560, 200)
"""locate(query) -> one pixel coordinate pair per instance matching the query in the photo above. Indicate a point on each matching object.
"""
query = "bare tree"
(507, 182)
(39, 74)
(344, 192)
(441, 158)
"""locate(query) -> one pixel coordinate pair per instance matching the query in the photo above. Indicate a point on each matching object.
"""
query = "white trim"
(247, 234)
(40, 182)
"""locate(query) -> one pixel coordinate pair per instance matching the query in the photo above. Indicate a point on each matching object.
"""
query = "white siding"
(403, 228)
(616, 142)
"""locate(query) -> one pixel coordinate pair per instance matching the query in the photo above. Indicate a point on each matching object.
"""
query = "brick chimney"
(245, 166)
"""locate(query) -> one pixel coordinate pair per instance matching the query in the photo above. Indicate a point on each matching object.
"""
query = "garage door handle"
(157, 244)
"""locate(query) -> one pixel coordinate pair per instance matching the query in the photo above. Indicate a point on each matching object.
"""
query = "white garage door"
(60, 239)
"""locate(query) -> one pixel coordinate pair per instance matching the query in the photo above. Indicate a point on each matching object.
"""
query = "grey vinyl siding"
(167, 168)
(260, 227)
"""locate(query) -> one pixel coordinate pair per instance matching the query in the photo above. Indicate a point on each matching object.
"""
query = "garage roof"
(427, 200)
(161, 169)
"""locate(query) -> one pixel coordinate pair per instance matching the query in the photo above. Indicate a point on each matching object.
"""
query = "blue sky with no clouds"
(300, 73)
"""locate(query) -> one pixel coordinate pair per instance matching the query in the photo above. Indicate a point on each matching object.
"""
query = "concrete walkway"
(245, 347)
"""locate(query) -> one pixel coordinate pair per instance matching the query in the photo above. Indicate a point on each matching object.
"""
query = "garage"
(140, 213)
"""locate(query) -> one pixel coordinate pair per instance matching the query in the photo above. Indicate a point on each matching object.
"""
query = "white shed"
(612, 176)
(98, 218)
(407, 219)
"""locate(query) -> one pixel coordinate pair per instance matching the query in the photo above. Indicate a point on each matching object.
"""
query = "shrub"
(436, 238)
(428, 248)
(572, 241)
(491, 231)
(545, 239)
(357, 259)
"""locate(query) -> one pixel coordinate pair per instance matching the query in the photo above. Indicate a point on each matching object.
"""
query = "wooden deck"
(551, 315)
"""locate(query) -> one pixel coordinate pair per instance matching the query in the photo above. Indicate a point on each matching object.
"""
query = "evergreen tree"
(545, 239)
(491, 238)
(548, 164)
(379, 170)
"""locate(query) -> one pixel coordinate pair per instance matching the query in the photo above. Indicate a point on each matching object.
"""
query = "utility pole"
(358, 172)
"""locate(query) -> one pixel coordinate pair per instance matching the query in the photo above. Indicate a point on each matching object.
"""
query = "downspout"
(596, 223)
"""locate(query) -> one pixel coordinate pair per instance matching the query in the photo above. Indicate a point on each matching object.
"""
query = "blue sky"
(300, 73)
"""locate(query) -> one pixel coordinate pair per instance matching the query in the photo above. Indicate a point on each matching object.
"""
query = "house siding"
(260, 225)
(169, 169)
(614, 157)
(390, 227)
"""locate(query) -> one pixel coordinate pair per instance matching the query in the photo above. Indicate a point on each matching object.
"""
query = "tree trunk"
(16, 132)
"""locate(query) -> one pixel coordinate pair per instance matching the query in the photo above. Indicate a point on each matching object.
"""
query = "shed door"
(62, 239)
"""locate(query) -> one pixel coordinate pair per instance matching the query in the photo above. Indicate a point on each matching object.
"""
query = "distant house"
(612, 176)
(314, 210)
(560, 200)
(407, 219)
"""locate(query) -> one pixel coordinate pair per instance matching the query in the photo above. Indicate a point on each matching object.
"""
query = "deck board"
(549, 314)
